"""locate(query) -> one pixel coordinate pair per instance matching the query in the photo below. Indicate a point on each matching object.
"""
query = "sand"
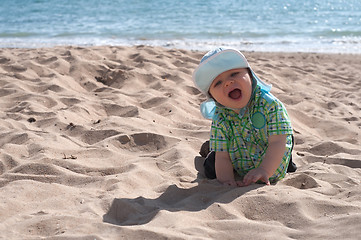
(100, 143)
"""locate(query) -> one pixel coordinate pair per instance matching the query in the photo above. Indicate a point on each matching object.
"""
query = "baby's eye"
(218, 83)
(234, 74)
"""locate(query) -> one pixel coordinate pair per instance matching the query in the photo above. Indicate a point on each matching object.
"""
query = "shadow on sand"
(138, 211)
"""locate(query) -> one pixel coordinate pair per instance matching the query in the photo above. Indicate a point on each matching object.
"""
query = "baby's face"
(232, 88)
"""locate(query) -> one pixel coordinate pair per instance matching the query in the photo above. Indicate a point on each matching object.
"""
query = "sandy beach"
(100, 143)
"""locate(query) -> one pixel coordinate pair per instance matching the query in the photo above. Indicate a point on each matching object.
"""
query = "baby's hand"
(257, 174)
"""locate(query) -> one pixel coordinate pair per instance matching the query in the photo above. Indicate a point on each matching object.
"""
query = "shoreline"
(201, 51)
(175, 44)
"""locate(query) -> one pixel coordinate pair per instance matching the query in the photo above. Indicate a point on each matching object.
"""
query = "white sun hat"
(214, 63)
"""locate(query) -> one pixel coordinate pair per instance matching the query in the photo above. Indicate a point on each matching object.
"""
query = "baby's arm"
(224, 169)
(271, 161)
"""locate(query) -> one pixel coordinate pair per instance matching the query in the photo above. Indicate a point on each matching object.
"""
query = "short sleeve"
(278, 121)
(218, 139)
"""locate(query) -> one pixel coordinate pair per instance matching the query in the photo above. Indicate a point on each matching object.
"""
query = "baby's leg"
(292, 166)
(209, 165)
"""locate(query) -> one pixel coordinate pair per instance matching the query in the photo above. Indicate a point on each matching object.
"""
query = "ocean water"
(254, 25)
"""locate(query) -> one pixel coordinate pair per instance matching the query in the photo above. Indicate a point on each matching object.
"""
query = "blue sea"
(253, 25)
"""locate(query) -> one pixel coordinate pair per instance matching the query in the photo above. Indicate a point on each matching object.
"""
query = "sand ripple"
(100, 143)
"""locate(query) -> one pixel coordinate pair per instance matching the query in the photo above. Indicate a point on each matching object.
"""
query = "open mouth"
(235, 94)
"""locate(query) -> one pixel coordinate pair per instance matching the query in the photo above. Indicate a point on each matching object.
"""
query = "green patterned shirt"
(245, 137)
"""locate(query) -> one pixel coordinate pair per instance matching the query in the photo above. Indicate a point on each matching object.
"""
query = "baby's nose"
(229, 82)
